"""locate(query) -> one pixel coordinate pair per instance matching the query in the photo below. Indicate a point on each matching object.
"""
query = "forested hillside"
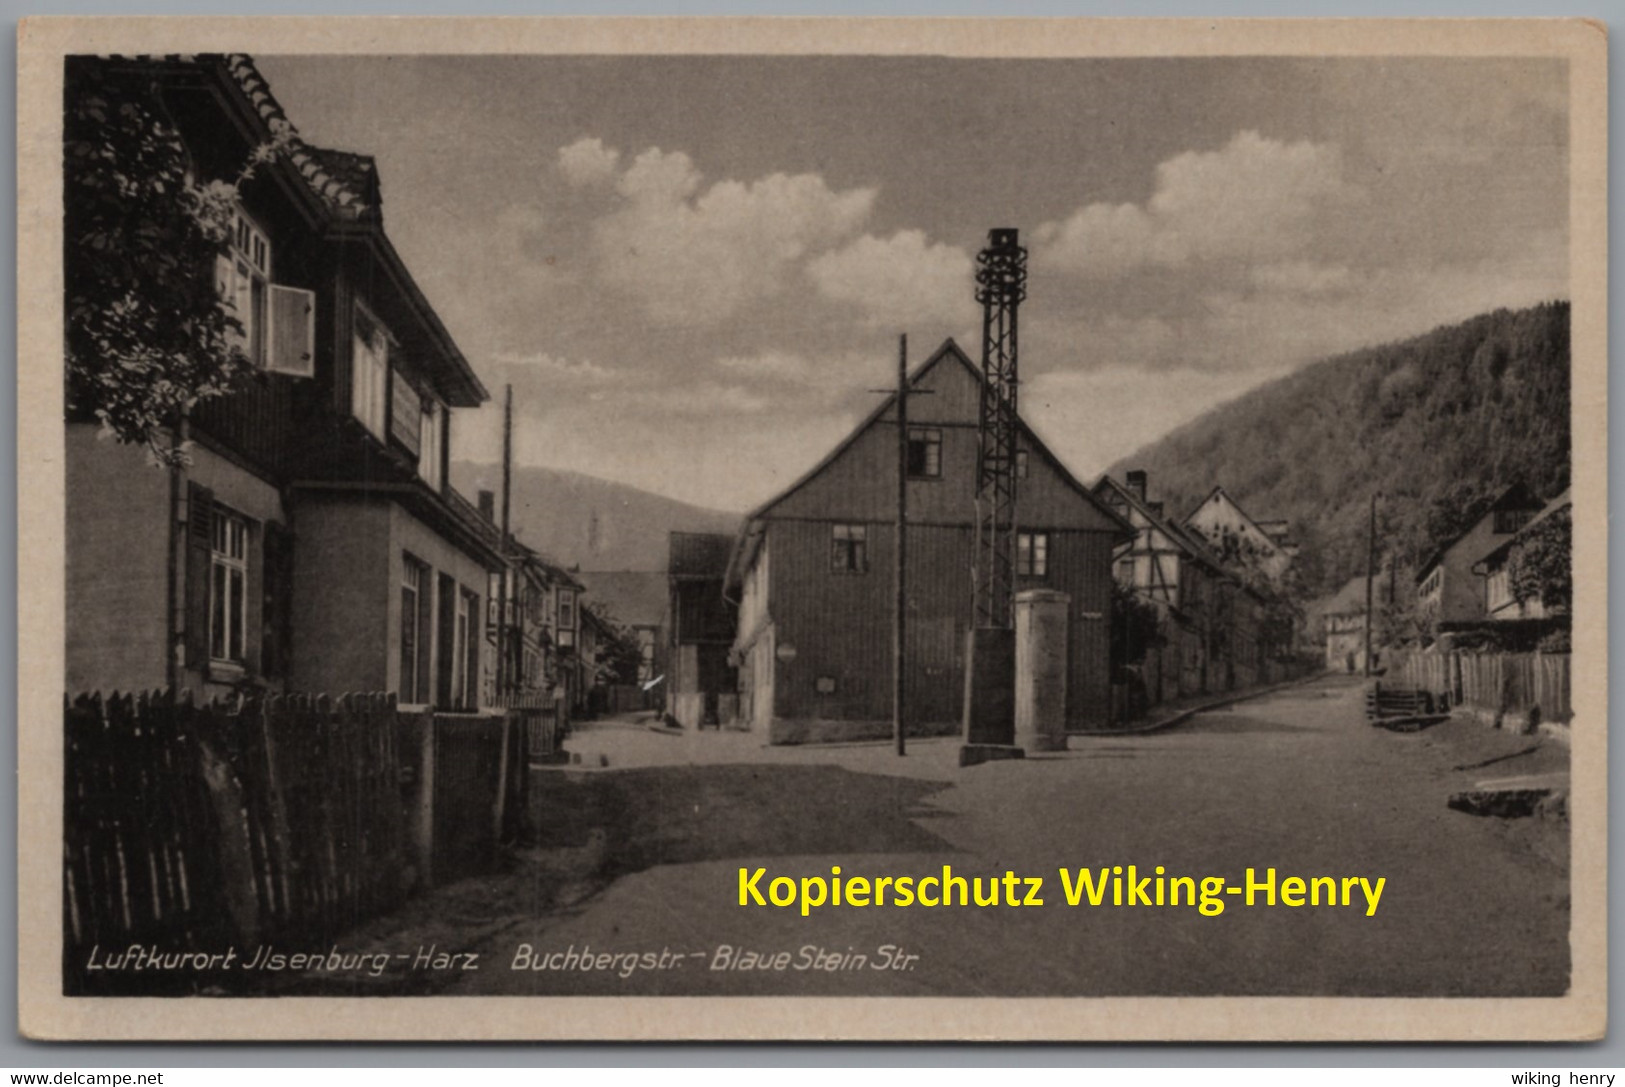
(1436, 424)
(591, 523)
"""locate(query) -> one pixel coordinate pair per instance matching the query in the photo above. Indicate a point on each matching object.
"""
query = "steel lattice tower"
(1001, 284)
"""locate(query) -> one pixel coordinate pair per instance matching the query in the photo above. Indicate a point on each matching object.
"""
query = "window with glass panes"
(369, 376)
(415, 619)
(243, 277)
(849, 549)
(1032, 554)
(228, 588)
(924, 453)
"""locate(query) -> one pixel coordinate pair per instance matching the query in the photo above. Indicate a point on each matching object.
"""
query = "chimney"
(488, 505)
(1156, 508)
(1136, 483)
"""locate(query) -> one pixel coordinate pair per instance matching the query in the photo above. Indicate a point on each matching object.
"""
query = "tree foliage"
(1540, 565)
(147, 335)
(1136, 626)
(1439, 424)
(620, 655)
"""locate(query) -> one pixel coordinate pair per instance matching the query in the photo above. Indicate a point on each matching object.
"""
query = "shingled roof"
(347, 183)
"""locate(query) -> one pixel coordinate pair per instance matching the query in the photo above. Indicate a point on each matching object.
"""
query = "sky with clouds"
(693, 270)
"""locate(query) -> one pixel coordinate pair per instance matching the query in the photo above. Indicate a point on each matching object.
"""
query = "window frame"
(228, 555)
(431, 444)
(929, 440)
(244, 271)
(369, 383)
(1032, 554)
(1507, 522)
(461, 635)
(419, 620)
(849, 547)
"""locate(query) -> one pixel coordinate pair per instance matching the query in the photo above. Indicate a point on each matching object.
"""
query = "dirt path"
(646, 864)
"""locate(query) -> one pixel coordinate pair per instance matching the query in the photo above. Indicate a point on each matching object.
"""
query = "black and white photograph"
(953, 512)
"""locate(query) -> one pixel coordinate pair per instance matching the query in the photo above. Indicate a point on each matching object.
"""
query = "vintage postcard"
(812, 529)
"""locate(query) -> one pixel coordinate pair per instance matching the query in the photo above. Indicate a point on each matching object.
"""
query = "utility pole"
(504, 664)
(1370, 575)
(899, 632)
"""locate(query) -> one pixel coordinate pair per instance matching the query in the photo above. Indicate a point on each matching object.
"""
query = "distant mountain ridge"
(591, 523)
(1437, 424)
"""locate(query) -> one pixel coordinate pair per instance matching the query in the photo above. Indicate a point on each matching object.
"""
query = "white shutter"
(292, 332)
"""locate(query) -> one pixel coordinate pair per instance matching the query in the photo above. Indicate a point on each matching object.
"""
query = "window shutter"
(471, 696)
(277, 588)
(199, 535)
(293, 332)
(446, 639)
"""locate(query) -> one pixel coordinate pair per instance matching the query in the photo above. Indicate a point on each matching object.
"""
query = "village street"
(648, 858)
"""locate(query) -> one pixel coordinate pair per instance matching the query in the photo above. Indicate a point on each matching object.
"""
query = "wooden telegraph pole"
(1370, 576)
(504, 680)
(899, 626)
(900, 559)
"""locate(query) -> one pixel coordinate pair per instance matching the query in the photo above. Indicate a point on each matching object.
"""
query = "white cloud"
(901, 281)
(1253, 199)
(771, 364)
(693, 257)
(1301, 277)
(588, 162)
(824, 377)
(545, 371)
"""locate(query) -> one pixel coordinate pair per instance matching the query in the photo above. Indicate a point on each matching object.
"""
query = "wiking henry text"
(1114, 886)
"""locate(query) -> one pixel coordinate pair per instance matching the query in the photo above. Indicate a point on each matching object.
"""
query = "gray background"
(20, 1053)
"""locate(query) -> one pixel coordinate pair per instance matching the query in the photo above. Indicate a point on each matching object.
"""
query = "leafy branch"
(147, 334)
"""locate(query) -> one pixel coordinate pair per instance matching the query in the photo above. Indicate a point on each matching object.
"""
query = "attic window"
(924, 453)
(1021, 464)
(1509, 521)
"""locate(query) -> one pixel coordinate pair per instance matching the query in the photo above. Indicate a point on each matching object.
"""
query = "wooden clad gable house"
(313, 543)
(812, 572)
(1447, 590)
(1501, 603)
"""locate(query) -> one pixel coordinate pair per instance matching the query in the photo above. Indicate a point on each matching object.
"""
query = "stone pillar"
(989, 725)
(989, 668)
(1041, 659)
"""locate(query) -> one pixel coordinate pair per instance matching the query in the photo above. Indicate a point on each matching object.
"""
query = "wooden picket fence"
(1496, 686)
(140, 826)
(199, 827)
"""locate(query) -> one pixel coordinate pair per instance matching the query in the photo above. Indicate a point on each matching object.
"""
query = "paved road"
(653, 844)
